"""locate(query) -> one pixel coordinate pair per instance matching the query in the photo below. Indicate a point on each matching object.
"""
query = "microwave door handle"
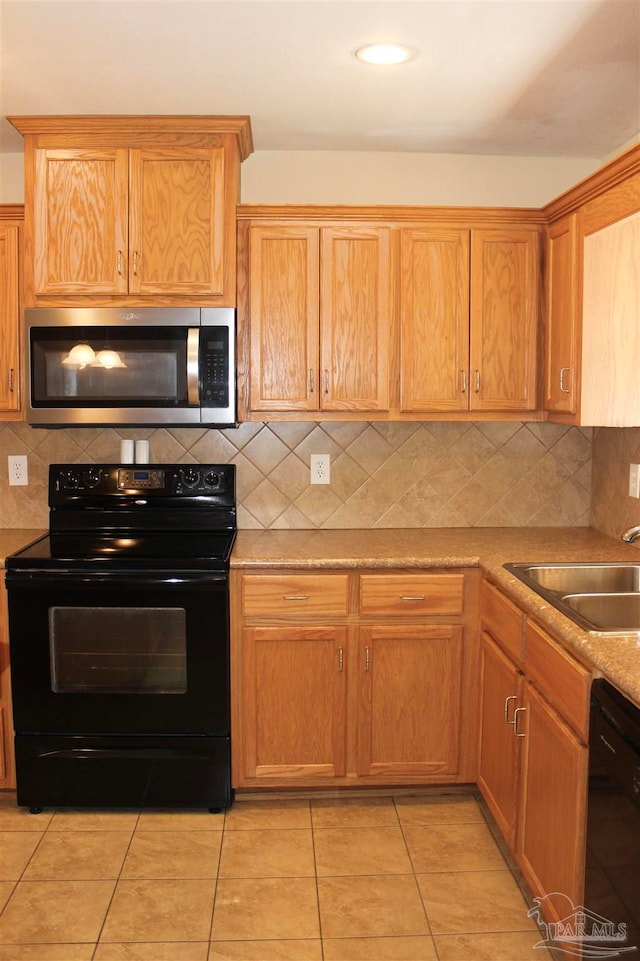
(193, 352)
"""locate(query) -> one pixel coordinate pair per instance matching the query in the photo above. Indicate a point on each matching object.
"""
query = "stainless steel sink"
(607, 612)
(603, 598)
(580, 578)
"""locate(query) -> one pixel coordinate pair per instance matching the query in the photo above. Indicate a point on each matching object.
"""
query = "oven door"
(123, 653)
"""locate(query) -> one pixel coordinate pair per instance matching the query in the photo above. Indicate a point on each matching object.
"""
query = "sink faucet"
(632, 534)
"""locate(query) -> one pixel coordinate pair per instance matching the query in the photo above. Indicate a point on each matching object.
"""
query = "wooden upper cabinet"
(177, 221)
(125, 210)
(561, 373)
(504, 318)
(9, 319)
(284, 300)
(319, 299)
(355, 306)
(80, 218)
(434, 319)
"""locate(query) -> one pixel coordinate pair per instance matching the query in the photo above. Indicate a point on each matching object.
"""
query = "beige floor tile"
(282, 908)
(84, 820)
(474, 901)
(164, 910)
(16, 849)
(516, 946)
(46, 952)
(13, 818)
(293, 950)
(173, 854)
(344, 851)
(371, 907)
(452, 847)
(267, 854)
(180, 821)
(353, 812)
(6, 890)
(440, 809)
(248, 815)
(69, 856)
(55, 912)
(380, 949)
(153, 951)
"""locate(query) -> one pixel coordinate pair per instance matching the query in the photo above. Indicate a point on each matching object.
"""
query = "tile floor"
(405, 878)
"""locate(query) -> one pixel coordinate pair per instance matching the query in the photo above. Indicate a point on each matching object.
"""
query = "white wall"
(319, 177)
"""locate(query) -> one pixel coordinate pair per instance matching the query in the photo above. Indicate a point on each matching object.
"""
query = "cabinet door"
(355, 319)
(551, 835)
(284, 309)
(80, 221)
(434, 319)
(504, 315)
(409, 700)
(9, 319)
(561, 319)
(294, 696)
(499, 747)
(177, 221)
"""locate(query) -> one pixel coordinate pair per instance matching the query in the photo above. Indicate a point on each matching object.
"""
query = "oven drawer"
(129, 771)
(284, 594)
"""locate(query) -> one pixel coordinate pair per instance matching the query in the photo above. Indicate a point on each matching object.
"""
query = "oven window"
(118, 650)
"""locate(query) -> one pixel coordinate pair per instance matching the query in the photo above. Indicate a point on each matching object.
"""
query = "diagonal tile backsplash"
(444, 474)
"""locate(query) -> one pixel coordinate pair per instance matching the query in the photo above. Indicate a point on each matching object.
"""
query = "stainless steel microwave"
(142, 366)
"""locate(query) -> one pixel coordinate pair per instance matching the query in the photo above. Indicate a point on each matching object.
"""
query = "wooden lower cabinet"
(533, 766)
(499, 747)
(294, 702)
(408, 683)
(338, 699)
(551, 830)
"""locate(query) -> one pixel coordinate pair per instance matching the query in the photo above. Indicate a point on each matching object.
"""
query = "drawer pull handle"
(295, 597)
(512, 697)
(412, 597)
(516, 714)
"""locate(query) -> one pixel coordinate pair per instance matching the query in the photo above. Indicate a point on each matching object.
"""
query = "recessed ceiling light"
(384, 53)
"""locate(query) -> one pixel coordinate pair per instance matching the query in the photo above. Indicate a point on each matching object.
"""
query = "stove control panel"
(76, 482)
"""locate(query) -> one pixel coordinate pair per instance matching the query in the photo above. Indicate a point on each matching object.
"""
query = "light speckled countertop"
(614, 656)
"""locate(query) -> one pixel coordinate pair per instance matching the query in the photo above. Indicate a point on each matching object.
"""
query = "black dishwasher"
(612, 879)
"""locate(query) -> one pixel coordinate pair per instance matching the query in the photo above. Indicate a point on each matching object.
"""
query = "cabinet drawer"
(562, 681)
(282, 594)
(411, 593)
(502, 619)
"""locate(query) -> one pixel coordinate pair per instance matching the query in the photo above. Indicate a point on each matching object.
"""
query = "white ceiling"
(513, 77)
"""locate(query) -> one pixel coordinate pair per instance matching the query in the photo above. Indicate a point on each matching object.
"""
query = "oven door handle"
(129, 753)
(39, 579)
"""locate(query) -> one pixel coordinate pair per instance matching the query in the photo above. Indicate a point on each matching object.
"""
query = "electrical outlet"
(634, 480)
(18, 470)
(320, 468)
